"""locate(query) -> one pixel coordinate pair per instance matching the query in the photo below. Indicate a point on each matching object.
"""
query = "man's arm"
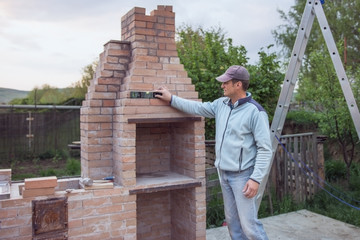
(206, 109)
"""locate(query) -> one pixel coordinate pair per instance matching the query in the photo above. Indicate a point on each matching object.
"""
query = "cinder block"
(42, 182)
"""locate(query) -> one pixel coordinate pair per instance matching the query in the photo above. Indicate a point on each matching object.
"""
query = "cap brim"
(223, 78)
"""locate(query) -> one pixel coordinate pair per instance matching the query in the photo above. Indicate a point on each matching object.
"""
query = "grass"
(46, 167)
(73, 168)
(325, 204)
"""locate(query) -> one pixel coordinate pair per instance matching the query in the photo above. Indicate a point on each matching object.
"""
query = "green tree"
(206, 54)
(266, 79)
(319, 86)
(324, 90)
(343, 17)
(80, 87)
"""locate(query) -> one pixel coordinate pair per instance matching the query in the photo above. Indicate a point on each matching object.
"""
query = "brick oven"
(155, 153)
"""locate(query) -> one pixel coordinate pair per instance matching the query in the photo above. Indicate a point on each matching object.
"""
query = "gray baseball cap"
(236, 72)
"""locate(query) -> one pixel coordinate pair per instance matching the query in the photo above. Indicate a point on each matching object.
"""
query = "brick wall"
(92, 214)
(98, 109)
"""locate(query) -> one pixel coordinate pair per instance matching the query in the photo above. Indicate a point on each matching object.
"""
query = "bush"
(335, 170)
(73, 167)
(49, 172)
(47, 155)
(302, 117)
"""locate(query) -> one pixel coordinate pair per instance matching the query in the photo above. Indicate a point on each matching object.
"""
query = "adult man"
(243, 148)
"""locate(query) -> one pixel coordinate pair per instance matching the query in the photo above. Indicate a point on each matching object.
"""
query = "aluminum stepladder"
(312, 8)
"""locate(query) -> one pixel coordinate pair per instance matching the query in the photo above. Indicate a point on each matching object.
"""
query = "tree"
(207, 54)
(323, 87)
(343, 17)
(318, 83)
(80, 87)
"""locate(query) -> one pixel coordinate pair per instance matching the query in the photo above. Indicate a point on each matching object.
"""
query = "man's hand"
(165, 94)
(251, 188)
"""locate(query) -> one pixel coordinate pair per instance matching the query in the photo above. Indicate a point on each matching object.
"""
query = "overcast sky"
(50, 41)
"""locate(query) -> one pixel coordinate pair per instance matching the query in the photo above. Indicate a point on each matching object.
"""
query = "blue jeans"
(240, 212)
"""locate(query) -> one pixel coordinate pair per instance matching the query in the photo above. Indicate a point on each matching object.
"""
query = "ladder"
(312, 8)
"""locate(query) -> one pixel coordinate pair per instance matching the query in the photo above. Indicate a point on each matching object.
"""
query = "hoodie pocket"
(240, 158)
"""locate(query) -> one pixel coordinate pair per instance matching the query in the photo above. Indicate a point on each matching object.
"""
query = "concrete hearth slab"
(298, 225)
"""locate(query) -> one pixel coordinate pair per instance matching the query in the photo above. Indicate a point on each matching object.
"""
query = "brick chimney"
(153, 150)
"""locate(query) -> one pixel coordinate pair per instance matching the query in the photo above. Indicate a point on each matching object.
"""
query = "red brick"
(15, 222)
(75, 223)
(42, 182)
(118, 52)
(188, 95)
(25, 231)
(145, 58)
(114, 67)
(144, 72)
(140, 86)
(102, 95)
(107, 73)
(100, 163)
(113, 81)
(137, 64)
(101, 88)
(98, 118)
(9, 233)
(35, 192)
(166, 73)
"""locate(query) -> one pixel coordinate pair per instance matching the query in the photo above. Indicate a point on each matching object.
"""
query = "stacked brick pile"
(42, 186)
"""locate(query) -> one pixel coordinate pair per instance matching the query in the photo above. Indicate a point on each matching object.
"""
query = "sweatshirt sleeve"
(206, 109)
(261, 134)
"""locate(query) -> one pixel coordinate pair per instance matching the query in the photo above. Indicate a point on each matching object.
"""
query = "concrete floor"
(298, 225)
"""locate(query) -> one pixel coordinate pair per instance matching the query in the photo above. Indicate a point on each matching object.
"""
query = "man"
(243, 148)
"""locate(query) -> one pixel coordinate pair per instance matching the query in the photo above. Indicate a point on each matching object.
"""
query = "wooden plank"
(286, 167)
(104, 185)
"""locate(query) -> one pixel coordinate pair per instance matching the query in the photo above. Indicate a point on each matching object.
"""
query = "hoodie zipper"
(222, 140)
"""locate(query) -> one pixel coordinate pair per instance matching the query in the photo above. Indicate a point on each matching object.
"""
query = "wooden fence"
(294, 172)
(297, 166)
(36, 132)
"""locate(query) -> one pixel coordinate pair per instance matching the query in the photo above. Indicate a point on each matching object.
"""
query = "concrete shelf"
(162, 181)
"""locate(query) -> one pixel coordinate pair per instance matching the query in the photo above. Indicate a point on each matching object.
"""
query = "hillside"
(7, 94)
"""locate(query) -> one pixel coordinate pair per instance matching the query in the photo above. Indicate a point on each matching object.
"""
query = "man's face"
(230, 88)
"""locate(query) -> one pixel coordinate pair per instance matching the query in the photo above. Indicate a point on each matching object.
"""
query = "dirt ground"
(32, 168)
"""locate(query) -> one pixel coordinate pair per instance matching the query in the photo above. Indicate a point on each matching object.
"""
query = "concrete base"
(298, 225)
